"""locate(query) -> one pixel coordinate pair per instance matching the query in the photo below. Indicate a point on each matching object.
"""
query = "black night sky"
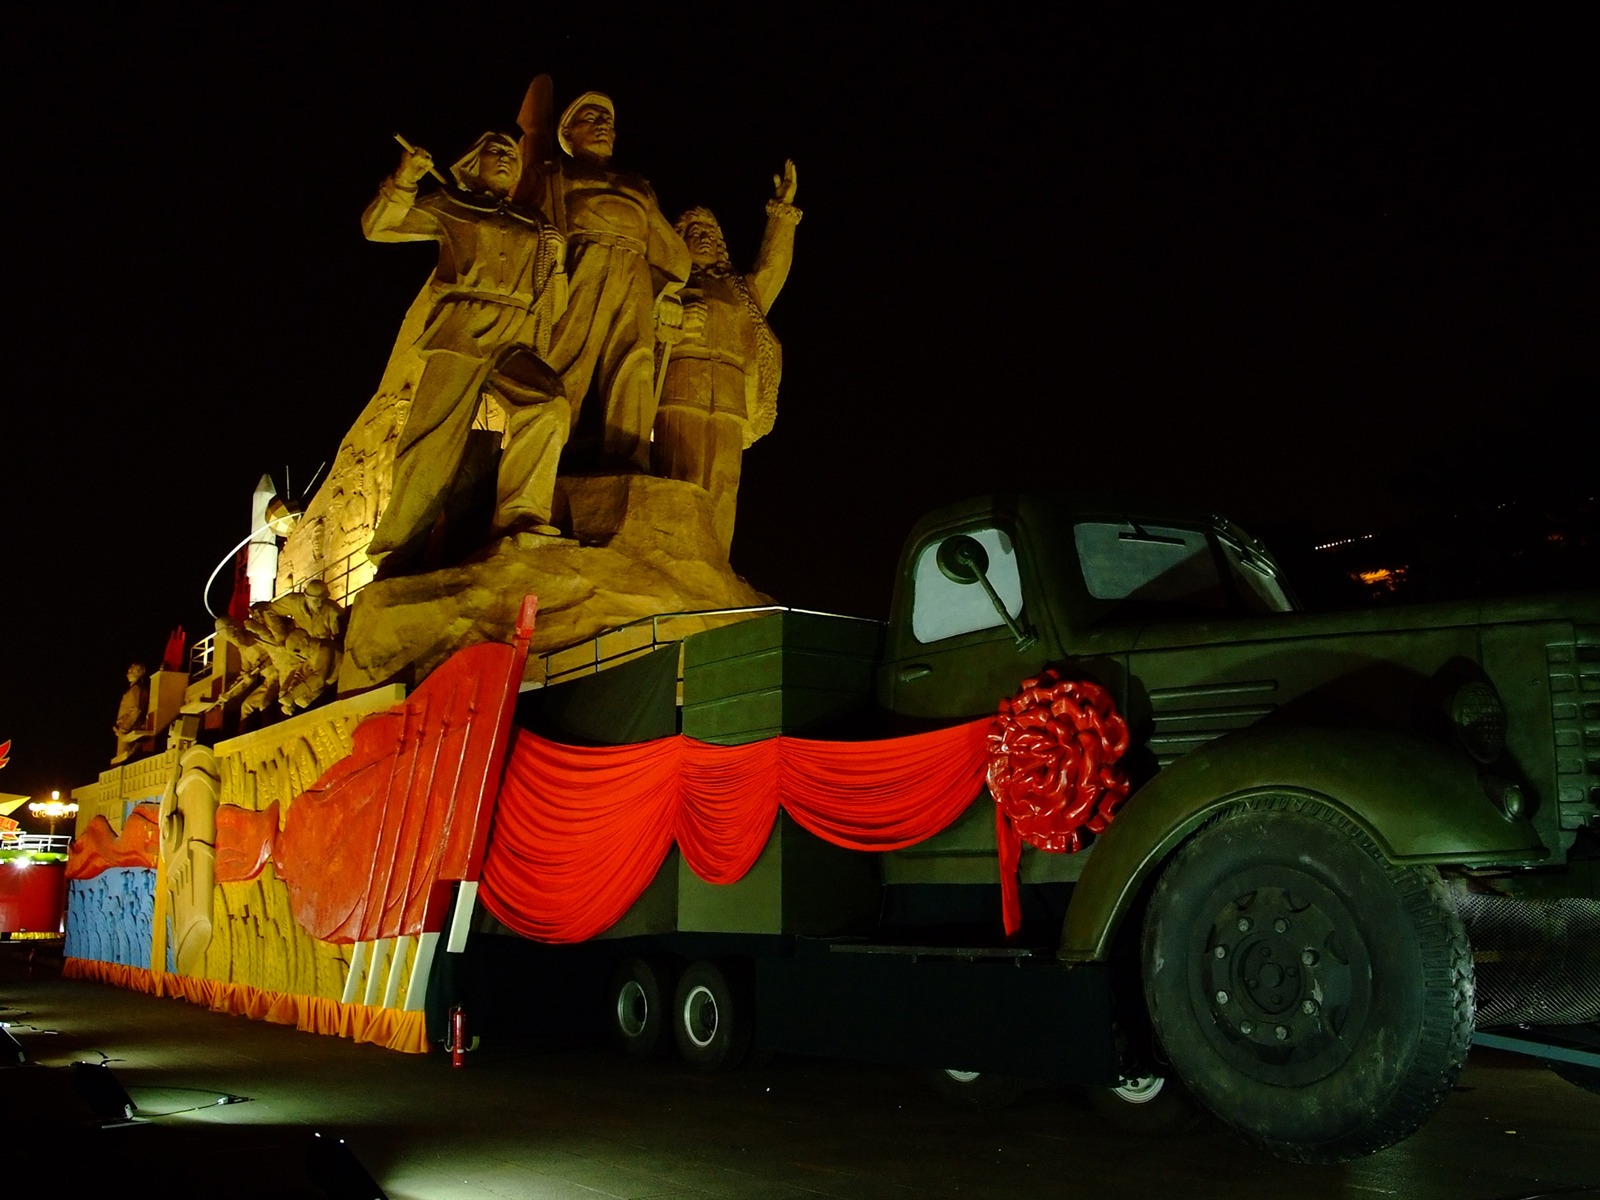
(1317, 265)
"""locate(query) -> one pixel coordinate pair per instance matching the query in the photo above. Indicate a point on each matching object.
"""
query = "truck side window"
(1258, 584)
(1150, 563)
(942, 608)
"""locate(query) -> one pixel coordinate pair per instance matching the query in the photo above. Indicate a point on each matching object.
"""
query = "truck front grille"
(1575, 715)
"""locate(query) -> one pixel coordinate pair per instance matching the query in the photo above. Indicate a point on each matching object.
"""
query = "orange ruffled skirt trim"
(386, 1027)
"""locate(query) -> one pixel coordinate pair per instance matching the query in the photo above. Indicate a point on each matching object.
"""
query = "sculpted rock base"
(639, 546)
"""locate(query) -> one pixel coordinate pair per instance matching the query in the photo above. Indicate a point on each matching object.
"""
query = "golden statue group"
(564, 413)
(612, 340)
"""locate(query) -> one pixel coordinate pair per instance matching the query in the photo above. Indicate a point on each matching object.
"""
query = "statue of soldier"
(625, 267)
(496, 295)
(720, 383)
(130, 727)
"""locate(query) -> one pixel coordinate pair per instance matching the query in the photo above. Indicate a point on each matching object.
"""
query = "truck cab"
(1344, 831)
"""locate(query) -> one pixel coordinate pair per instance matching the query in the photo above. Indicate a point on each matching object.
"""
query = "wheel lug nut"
(1222, 997)
(1245, 1027)
(1244, 924)
(1281, 1033)
(1281, 925)
(1308, 957)
(1220, 952)
(1310, 1007)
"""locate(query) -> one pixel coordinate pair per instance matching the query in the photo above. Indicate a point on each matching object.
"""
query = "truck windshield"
(1177, 568)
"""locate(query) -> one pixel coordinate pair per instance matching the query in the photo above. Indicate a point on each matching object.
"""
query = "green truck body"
(1279, 914)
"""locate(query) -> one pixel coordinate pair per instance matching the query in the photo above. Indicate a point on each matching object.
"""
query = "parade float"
(1097, 803)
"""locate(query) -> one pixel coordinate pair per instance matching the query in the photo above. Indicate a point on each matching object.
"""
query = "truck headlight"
(1479, 720)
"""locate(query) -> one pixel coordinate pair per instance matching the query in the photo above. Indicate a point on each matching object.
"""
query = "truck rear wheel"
(1151, 1105)
(639, 991)
(1313, 996)
(712, 1017)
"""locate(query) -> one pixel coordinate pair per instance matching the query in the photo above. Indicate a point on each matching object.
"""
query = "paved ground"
(578, 1123)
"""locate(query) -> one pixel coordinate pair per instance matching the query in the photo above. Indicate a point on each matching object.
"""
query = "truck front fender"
(1419, 801)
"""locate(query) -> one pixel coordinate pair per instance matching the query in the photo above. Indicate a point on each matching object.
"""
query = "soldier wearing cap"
(625, 266)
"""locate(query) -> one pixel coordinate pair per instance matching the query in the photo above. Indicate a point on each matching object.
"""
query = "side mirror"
(962, 559)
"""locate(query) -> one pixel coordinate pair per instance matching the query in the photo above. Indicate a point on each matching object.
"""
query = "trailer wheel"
(976, 1091)
(639, 991)
(1151, 1105)
(1313, 996)
(712, 1014)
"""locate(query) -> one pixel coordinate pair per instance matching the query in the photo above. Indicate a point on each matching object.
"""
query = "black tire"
(638, 1008)
(712, 1017)
(1150, 1105)
(976, 1091)
(1313, 996)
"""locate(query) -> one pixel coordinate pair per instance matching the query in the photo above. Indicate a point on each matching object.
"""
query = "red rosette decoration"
(1054, 750)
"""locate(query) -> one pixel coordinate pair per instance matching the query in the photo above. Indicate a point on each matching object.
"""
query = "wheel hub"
(700, 1016)
(633, 1009)
(1284, 975)
(1140, 1090)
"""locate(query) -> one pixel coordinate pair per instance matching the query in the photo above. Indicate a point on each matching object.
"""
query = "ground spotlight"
(103, 1094)
(333, 1167)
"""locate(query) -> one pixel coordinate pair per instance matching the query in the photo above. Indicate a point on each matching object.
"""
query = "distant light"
(1343, 542)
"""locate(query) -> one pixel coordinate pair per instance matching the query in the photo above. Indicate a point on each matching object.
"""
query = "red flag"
(172, 657)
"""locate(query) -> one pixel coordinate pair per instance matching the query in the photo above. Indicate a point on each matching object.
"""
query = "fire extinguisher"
(458, 1036)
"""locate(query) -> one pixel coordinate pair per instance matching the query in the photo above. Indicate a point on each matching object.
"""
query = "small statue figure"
(496, 294)
(130, 726)
(625, 267)
(720, 383)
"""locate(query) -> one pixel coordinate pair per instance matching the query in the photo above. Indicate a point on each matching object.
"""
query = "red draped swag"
(580, 831)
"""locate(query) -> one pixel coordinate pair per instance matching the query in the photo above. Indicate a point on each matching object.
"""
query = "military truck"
(1278, 922)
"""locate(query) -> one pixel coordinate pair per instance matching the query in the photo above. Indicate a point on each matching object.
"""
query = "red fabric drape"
(580, 831)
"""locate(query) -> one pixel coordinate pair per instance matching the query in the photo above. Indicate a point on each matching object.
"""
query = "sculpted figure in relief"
(188, 827)
(290, 651)
(625, 265)
(303, 633)
(256, 686)
(493, 303)
(720, 384)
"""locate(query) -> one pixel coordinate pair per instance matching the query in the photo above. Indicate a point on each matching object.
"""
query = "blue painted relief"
(110, 917)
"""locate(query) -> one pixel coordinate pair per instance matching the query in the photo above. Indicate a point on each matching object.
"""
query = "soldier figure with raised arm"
(720, 386)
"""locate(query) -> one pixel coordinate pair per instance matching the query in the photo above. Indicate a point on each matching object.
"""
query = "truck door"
(961, 645)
